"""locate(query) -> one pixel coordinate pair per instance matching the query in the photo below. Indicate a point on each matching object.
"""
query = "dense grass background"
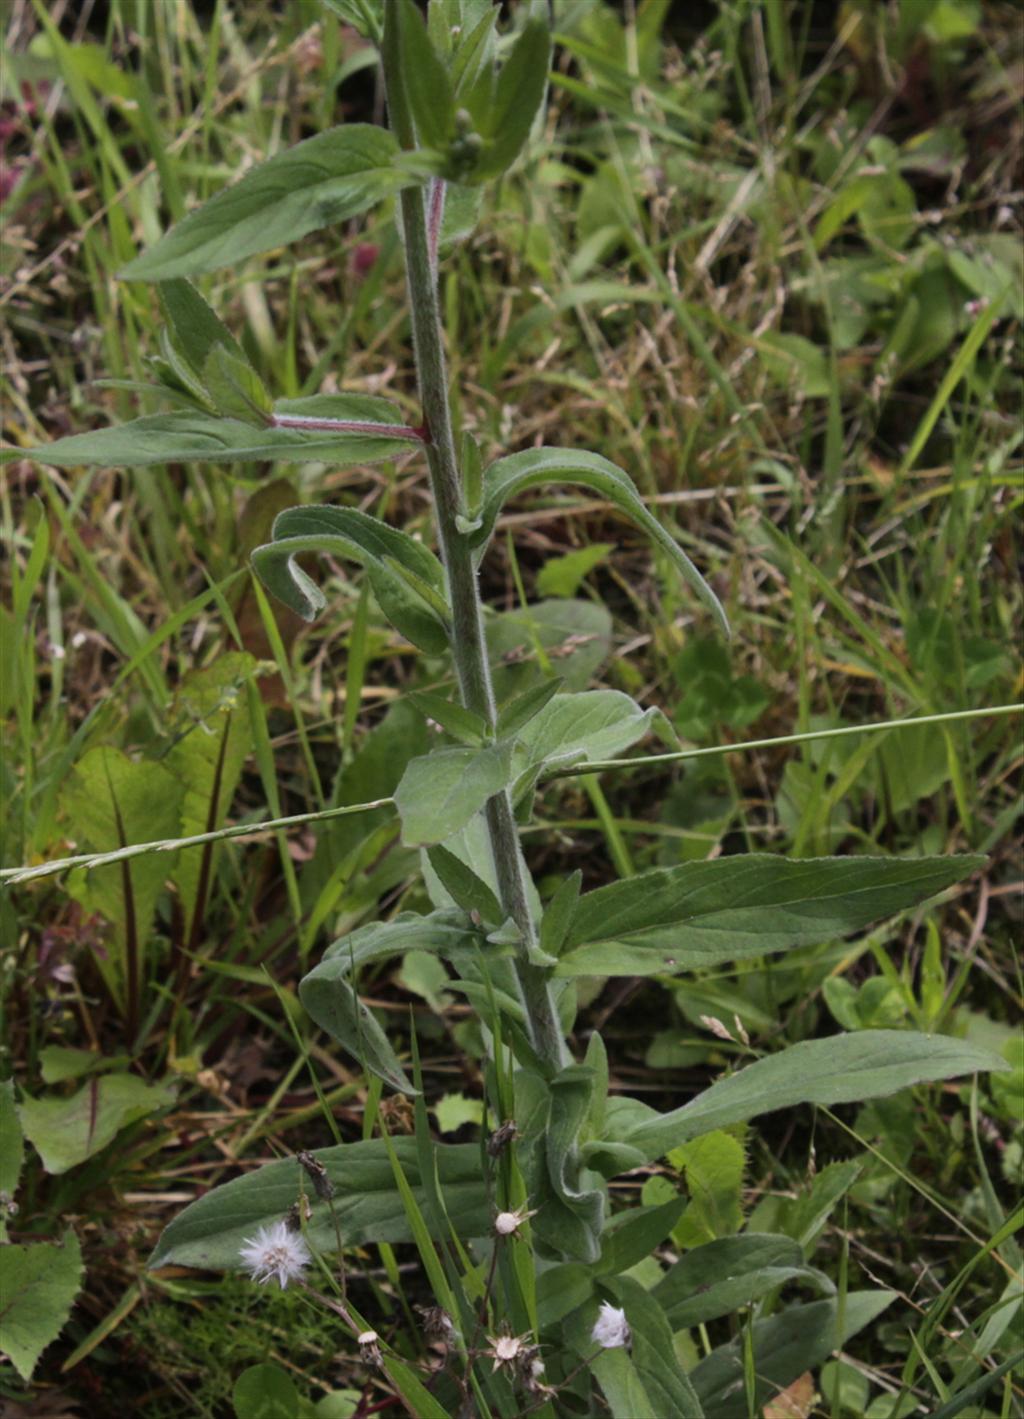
(768, 259)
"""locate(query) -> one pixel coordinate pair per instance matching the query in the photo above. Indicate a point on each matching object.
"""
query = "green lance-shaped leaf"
(192, 436)
(38, 1286)
(440, 792)
(66, 1131)
(653, 1353)
(839, 1070)
(196, 329)
(704, 913)
(315, 184)
(718, 1278)
(111, 801)
(334, 1005)
(505, 120)
(784, 1347)
(369, 1208)
(383, 550)
(424, 77)
(540, 467)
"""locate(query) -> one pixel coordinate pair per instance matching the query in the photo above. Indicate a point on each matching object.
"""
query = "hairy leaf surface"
(839, 1070)
(705, 913)
(210, 1232)
(317, 183)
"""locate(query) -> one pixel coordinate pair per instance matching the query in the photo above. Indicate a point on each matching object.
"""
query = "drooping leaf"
(64, 1132)
(210, 1232)
(112, 800)
(317, 183)
(831, 1071)
(365, 16)
(191, 436)
(38, 1286)
(331, 1001)
(349, 533)
(704, 913)
(440, 793)
(718, 1278)
(540, 467)
(799, 1338)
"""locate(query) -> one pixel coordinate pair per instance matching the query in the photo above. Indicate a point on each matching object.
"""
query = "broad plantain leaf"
(838, 1070)
(539, 467)
(38, 1286)
(317, 183)
(210, 1232)
(704, 913)
(112, 801)
(383, 550)
(66, 1131)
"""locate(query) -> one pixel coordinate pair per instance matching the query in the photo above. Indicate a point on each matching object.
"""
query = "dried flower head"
(317, 1174)
(507, 1224)
(610, 1329)
(437, 1324)
(507, 1350)
(502, 1137)
(275, 1251)
(369, 1348)
(299, 1212)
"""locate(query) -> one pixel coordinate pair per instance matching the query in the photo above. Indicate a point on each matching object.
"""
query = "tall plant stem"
(469, 649)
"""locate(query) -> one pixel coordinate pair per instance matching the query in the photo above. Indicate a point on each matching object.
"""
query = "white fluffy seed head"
(275, 1253)
(610, 1329)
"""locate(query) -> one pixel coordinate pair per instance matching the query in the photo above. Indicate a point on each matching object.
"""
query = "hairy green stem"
(469, 649)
